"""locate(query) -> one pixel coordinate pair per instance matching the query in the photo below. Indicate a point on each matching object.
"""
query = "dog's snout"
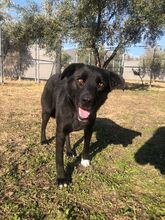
(87, 99)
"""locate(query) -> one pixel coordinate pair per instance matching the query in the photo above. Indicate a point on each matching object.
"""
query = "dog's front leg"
(85, 154)
(60, 140)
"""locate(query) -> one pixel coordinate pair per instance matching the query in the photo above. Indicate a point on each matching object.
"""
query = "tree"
(3, 5)
(3, 17)
(93, 24)
(153, 62)
(36, 25)
(65, 59)
(139, 72)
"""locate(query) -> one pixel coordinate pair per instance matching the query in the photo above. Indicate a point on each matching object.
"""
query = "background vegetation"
(91, 25)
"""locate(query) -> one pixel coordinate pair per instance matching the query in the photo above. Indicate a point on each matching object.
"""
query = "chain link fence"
(36, 65)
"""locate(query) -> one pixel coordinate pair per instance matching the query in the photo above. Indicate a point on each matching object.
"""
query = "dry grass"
(126, 176)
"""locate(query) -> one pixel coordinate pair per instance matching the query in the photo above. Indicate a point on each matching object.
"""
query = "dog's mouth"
(83, 114)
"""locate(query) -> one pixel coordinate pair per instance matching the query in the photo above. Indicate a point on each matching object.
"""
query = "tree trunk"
(141, 80)
(151, 78)
(96, 55)
(58, 59)
(105, 65)
(1, 58)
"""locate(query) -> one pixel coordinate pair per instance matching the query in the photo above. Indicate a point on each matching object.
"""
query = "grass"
(126, 176)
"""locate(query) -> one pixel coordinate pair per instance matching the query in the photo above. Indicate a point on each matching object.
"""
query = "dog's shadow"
(153, 151)
(107, 132)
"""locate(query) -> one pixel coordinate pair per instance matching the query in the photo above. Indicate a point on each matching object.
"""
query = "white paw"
(61, 185)
(85, 163)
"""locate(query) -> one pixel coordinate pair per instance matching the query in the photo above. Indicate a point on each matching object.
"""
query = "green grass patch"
(127, 172)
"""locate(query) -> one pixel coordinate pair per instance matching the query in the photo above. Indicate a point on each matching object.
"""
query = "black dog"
(73, 98)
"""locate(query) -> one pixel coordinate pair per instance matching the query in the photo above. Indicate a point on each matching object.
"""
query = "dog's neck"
(71, 102)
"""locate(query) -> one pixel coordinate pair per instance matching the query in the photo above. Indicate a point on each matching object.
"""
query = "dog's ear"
(116, 81)
(71, 69)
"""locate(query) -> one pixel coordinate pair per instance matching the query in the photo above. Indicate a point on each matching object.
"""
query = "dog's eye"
(100, 85)
(81, 82)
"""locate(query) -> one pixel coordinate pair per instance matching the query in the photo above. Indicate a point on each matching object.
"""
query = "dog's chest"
(74, 125)
(78, 125)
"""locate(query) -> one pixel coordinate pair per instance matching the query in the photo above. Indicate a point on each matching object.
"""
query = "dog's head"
(88, 87)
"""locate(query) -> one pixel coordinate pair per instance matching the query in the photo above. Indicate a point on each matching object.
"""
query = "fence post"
(1, 55)
(89, 59)
(122, 64)
(37, 69)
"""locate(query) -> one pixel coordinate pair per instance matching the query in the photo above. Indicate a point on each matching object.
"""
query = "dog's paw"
(71, 153)
(62, 182)
(45, 142)
(85, 162)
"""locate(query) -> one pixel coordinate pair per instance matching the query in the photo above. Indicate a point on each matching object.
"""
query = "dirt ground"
(127, 172)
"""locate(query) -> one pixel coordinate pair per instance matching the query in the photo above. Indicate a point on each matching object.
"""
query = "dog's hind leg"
(45, 119)
(69, 151)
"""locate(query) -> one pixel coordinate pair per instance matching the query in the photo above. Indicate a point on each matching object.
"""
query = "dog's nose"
(87, 99)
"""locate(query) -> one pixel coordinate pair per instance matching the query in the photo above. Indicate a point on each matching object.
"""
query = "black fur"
(82, 87)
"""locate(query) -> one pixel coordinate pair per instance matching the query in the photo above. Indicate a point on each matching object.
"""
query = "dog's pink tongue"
(83, 113)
